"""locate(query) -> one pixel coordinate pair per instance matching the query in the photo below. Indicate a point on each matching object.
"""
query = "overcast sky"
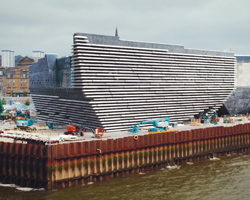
(49, 25)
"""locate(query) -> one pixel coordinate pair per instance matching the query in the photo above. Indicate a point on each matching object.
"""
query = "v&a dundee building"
(112, 83)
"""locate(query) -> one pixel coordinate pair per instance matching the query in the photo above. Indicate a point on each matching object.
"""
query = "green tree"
(25, 94)
(4, 101)
(12, 93)
(27, 102)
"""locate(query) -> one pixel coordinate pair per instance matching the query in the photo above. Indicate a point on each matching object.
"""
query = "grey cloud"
(47, 25)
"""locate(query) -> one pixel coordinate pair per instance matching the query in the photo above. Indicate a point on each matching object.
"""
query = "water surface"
(227, 178)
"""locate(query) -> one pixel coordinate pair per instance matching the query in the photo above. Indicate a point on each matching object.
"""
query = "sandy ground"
(51, 135)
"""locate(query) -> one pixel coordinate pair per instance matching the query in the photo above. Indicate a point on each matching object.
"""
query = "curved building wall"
(128, 84)
(125, 82)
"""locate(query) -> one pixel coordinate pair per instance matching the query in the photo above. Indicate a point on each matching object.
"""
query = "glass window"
(14, 80)
(8, 75)
(24, 80)
(9, 80)
(21, 90)
(14, 90)
(24, 75)
(21, 80)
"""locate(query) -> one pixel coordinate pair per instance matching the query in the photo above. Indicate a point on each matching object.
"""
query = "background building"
(50, 72)
(63, 72)
(42, 73)
(38, 54)
(15, 81)
(14, 78)
(2, 81)
(8, 58)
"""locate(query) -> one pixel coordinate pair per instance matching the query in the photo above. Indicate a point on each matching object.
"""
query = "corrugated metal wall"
(70, 164)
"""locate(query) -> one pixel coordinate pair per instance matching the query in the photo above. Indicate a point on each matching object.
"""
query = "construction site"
(45, 155)
(119, 107)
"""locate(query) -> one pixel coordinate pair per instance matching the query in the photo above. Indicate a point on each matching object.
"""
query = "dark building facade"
(239, 101)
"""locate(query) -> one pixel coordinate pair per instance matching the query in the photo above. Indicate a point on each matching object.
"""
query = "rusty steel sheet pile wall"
(71, 164)
(23, 164)
(90, 161)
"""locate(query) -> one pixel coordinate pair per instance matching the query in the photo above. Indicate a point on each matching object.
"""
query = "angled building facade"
(239, 101)
(117, 83)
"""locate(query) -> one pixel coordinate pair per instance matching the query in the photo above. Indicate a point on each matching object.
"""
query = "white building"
(38, 54)
(8, 58)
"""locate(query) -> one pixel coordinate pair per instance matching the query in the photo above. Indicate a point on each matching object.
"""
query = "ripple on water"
(227, 178)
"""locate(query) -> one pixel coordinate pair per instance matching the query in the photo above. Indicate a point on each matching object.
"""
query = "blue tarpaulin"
(19, 106)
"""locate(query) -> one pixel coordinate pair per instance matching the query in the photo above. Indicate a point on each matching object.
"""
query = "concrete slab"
(58, 135)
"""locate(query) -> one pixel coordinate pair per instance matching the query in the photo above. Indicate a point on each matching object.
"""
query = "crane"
(160, 124)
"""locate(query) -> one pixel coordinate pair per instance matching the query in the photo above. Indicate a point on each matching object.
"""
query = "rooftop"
(116, 41)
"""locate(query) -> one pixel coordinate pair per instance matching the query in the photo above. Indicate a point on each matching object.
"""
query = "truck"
(24, 124)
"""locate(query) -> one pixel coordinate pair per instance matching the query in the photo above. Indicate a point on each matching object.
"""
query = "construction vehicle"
(211, 117)
(16, 115)
(52, 125)
(160, 124)
(24, 124)
(75, 130)
(79, 130)
(5, 116)
(214, 119)
(208, 116)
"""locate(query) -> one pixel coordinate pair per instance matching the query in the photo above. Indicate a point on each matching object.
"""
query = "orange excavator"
(79, 130)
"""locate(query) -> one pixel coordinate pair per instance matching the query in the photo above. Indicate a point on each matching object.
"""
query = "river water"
(226, 178)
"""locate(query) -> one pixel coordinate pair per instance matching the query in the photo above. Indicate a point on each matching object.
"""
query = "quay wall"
(64, 165)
